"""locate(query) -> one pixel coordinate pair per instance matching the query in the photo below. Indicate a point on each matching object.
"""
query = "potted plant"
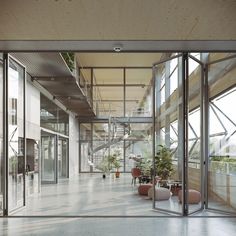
(117, 165)
(104, 166)
(163, 163)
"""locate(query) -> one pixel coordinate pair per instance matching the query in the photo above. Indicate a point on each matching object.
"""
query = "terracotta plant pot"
(117, 174)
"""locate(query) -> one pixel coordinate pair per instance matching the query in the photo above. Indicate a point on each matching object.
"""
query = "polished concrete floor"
(111, 206)
(89, 195)
(118, 226)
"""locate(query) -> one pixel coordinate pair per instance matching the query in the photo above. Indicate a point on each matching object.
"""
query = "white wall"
(73, 146)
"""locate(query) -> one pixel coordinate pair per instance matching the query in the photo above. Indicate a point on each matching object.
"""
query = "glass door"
(169, 135)
(195, 155)
(221, 163)
(63, 158)
(48, 157)
(16, 134)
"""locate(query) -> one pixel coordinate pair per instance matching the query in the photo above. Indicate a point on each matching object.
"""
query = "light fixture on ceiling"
(117, 47)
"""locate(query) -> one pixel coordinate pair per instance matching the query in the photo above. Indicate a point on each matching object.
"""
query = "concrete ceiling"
(117, 59)
(118, 20)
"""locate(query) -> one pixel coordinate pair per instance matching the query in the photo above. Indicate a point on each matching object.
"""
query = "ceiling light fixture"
(117, 47)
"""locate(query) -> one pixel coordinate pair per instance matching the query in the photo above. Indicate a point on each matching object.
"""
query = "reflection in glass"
(168, 119)
(194, 132)
(222, 142)
(1, 136)
(48, 155)
(138, 101)
(32, 167)
(15, 135)
(62, 158)
(138, 93)
(85, 147)
(52, 117)
(111, 101)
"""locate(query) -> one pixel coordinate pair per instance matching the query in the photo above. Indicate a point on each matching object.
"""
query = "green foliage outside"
(223, 159)
(223, 164)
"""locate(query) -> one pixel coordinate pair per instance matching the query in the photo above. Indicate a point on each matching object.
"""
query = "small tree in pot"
(104, 166)
(163, 163)
(117, 165)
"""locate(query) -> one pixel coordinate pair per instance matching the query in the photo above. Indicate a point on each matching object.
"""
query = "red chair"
(136, 173)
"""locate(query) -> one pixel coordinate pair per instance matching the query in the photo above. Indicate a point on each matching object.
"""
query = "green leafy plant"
(163, 162)
(69, 58)
(109, 162)
(104, 165)
(117, 165)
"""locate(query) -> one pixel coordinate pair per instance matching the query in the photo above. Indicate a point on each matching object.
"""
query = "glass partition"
(16, 151)
(138, 144)
(138, 92)
(32, 166)
(112, 101)
(168, 160)
(1, 136)
(85, 147)
(53, 117)
(222, 132)
(48, 158)
(62, 156)
(195, 158)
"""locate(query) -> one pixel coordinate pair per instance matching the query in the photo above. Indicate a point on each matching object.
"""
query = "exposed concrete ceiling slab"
(118, 20)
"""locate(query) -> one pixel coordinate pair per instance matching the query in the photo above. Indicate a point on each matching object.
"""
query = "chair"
(136, 173)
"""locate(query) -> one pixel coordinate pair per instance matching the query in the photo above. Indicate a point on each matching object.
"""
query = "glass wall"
(1, 135)
(138, 95)
(48, 156)
(195, 158)
(16, 157)
(169, 132)
(54, 141)
(122, 92)
(123, 139)
(108, 92)
(138, 144)
(52, 117)
(63, 157)
(32, 167)
(85, 147)
(222, 133)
